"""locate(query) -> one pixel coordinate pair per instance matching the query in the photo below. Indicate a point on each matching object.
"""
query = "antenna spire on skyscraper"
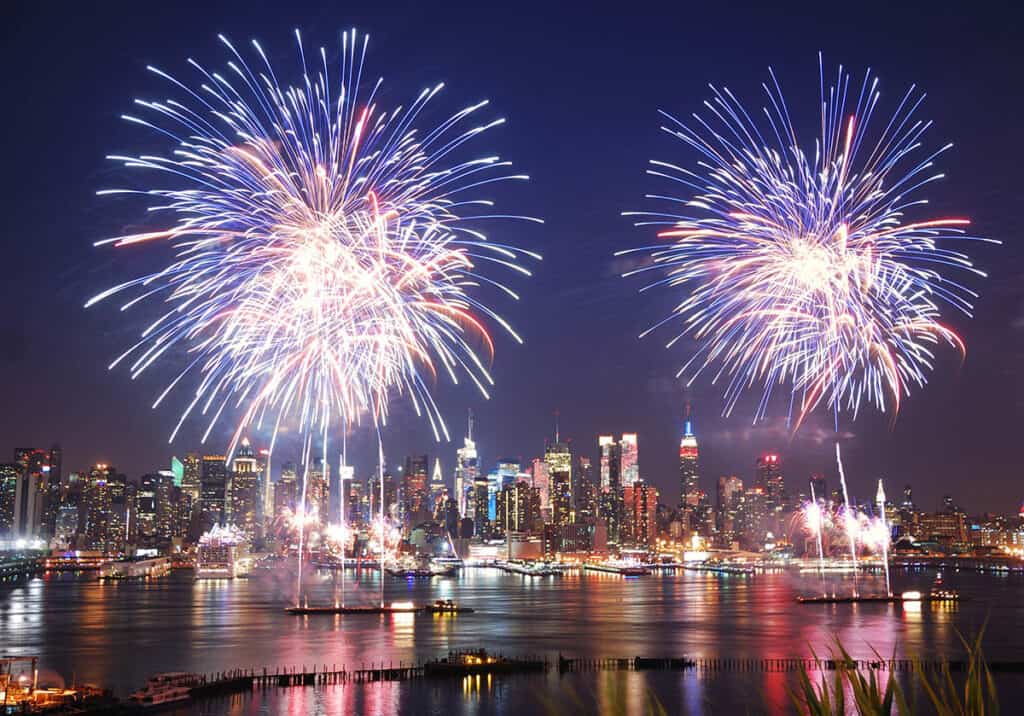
(557, 435)
(470, 435)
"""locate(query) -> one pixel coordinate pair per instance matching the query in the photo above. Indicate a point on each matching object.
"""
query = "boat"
(446, 606)
(412, 568)
(625, 569)
(168, 688)
(941, 593)
(471, 663)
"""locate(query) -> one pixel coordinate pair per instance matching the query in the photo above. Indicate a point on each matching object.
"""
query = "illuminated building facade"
(729, 499)
(558, 459)
(414, 495)
(192, 475)
(244, 495)
(629, 459)
(466, 468)
(8, 489)
(690, 494)
(640, 526)
(213, 492)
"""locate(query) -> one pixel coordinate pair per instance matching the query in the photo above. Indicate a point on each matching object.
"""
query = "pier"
(329, 674)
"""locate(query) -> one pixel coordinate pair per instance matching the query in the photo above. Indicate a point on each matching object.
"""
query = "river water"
(118, 634)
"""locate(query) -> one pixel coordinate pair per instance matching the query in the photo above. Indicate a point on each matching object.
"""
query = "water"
(118, 634)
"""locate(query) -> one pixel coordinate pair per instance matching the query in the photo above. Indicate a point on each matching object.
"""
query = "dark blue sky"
(580, 87)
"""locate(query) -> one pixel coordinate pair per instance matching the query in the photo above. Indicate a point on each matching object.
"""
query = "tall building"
(585, 491)
(286, 491)
(415, 490)
(689, 475)
(769, 479)
(466, 468)
(518, 508)
(610, 506)
(146, 506)
(106, 510)
(32, 495)
(177, 470)
(819, 487)
(213, 492)
(630, 458)
(752, 519)
(318, 495)
(729, 498)
(192, 475)
(438, 491)
(8, 488)
(244, 495)
(558, 459)
(479, 508)
(542, 481)
(640, 528)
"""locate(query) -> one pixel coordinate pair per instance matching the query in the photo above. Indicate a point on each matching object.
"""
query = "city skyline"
(581, 354)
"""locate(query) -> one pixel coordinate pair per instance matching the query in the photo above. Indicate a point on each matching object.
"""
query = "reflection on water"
(117, 634)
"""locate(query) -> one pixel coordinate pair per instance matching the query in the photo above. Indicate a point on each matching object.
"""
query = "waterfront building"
(574, 537)
(106, 509)
(9, 476)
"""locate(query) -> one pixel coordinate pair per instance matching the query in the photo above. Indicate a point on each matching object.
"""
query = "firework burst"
(816, 269)
(328, 251)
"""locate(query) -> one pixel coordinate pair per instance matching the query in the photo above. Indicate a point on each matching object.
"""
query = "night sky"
(581, 88)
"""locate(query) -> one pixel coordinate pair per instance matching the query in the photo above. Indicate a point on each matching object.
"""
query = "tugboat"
(941, 593)
(446, 606)
(470, 663)
(162, 689)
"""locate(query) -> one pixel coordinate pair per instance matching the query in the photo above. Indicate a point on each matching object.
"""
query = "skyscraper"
(769, 479)
(8, 488)
(542, 481)
(213, 486)
(32, 496)
(730, 495)
(192, 476)
(689, 474)
(244, 497)
(610, 502)
(414, 489)
(106, 509)
(558, 460)
(641, 512)
(466, 468)
(438, 490)
(630, 458)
